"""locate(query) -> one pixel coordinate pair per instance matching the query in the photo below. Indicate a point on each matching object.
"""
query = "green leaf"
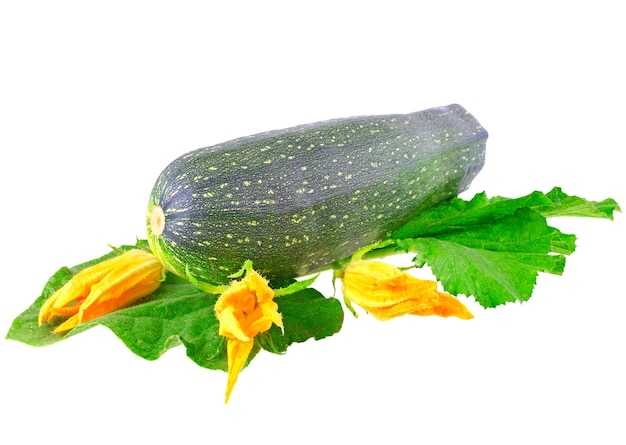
(523, 231)
(497, 262)
(493, 249)
(492, 277)
(457, 214)
(564, 205)
(306, 314)
(25, 327)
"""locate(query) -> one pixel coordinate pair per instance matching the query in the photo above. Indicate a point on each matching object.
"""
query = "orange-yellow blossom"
(244, 309)
(386, 292)
(102, 288)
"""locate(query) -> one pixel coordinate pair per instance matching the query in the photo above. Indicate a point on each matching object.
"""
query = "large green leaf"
(458, 214)
(493, 277)
(493, 249)
(564, 205)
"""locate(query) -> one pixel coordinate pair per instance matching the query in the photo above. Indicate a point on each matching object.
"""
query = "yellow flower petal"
(409, 306)
(138, 275)
(77, 289)
(446, 306)
(386, 292)
(245, 309)
(102, 288)
(378, 284)
(110, 301)
(68, 324)
(230, 325)
(238, 352)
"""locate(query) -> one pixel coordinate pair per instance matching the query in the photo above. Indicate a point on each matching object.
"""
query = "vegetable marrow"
(295, 200)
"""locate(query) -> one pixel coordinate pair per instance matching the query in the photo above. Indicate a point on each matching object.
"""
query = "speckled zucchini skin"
(295, 200)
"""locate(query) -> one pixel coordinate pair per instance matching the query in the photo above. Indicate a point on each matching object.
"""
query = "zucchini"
(296, 200)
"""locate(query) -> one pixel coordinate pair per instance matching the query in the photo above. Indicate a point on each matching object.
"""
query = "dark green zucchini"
(295, 200)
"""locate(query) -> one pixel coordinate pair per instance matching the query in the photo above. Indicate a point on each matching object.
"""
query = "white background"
(96, 100)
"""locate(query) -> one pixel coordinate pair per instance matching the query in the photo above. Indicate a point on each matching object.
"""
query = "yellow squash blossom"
(102, 288)
(244, 309)
(387, 292)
